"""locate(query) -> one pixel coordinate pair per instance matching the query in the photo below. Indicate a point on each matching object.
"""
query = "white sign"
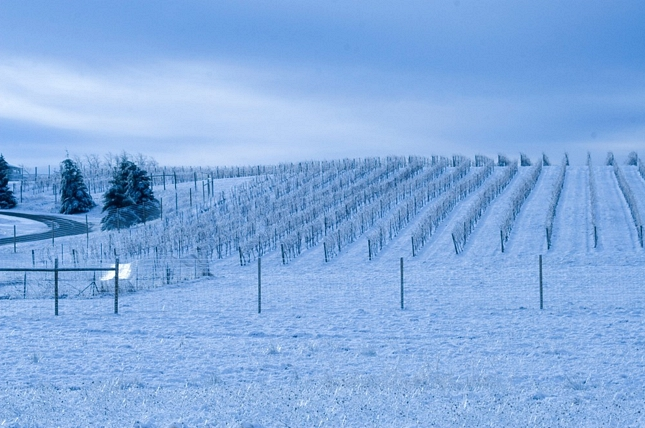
(124, 272)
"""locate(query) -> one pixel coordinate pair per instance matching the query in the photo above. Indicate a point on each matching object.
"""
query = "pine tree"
(74, 195)
(130, 199)
(118, 206)
(7, 200)
(140, 190)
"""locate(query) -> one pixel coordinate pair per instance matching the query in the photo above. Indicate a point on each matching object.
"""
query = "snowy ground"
(22, 226)
(332, 346)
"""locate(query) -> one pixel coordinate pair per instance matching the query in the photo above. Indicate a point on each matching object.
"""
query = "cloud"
(206, 112)
(174, 101)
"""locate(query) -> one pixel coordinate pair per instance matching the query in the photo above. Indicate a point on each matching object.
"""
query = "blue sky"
(247, 82)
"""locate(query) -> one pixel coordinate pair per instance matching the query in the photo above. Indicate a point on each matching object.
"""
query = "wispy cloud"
(222, 82)
(178, 103)
(213, 113)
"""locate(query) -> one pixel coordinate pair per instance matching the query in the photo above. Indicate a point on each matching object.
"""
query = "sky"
(242, 82)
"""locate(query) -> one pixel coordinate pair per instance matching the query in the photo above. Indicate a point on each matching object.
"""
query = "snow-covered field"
(22, 226)
(332, 346)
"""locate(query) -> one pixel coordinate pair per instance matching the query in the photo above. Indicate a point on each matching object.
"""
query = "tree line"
(128, 201)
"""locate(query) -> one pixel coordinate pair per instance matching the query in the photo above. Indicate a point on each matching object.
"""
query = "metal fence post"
(56, 287)
(401, 282)
(116, 286)
(541, 290)
(259, 285)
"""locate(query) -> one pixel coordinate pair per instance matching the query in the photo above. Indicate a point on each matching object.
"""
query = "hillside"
(332, 346)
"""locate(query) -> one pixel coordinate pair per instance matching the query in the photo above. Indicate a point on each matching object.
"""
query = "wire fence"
(507, 287)
(134, 276)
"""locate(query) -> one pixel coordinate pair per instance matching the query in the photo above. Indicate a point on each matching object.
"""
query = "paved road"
(60, 226)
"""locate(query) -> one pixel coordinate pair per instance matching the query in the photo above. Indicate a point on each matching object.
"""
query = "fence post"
(53, 234)
(541, 289)
(501, 237)
(116, 286)
(401, 282)
(87, 232)
(259, 285)
(56, 287)
(14, 238)
(24, 287)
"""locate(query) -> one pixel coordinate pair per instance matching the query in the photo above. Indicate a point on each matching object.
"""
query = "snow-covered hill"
(332, 346)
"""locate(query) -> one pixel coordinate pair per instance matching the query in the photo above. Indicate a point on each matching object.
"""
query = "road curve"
(58, 227)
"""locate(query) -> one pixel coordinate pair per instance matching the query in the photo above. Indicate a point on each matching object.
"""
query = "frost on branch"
(555, 199)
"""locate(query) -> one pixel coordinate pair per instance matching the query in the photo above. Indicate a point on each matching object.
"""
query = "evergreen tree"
(117, 204)
(140, 190)
(74, 195)
(130, 199)
(7, 200)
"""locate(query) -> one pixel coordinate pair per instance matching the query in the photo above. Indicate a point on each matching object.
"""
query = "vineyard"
(411, 207)
(325, 292)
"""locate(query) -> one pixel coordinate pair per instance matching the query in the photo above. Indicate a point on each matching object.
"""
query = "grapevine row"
(482, 202)
(555, 198)
(519, 196)
(440, 208)
(593, 197)
(631, 201)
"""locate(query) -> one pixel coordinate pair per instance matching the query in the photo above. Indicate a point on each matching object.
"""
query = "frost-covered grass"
(332, 347)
